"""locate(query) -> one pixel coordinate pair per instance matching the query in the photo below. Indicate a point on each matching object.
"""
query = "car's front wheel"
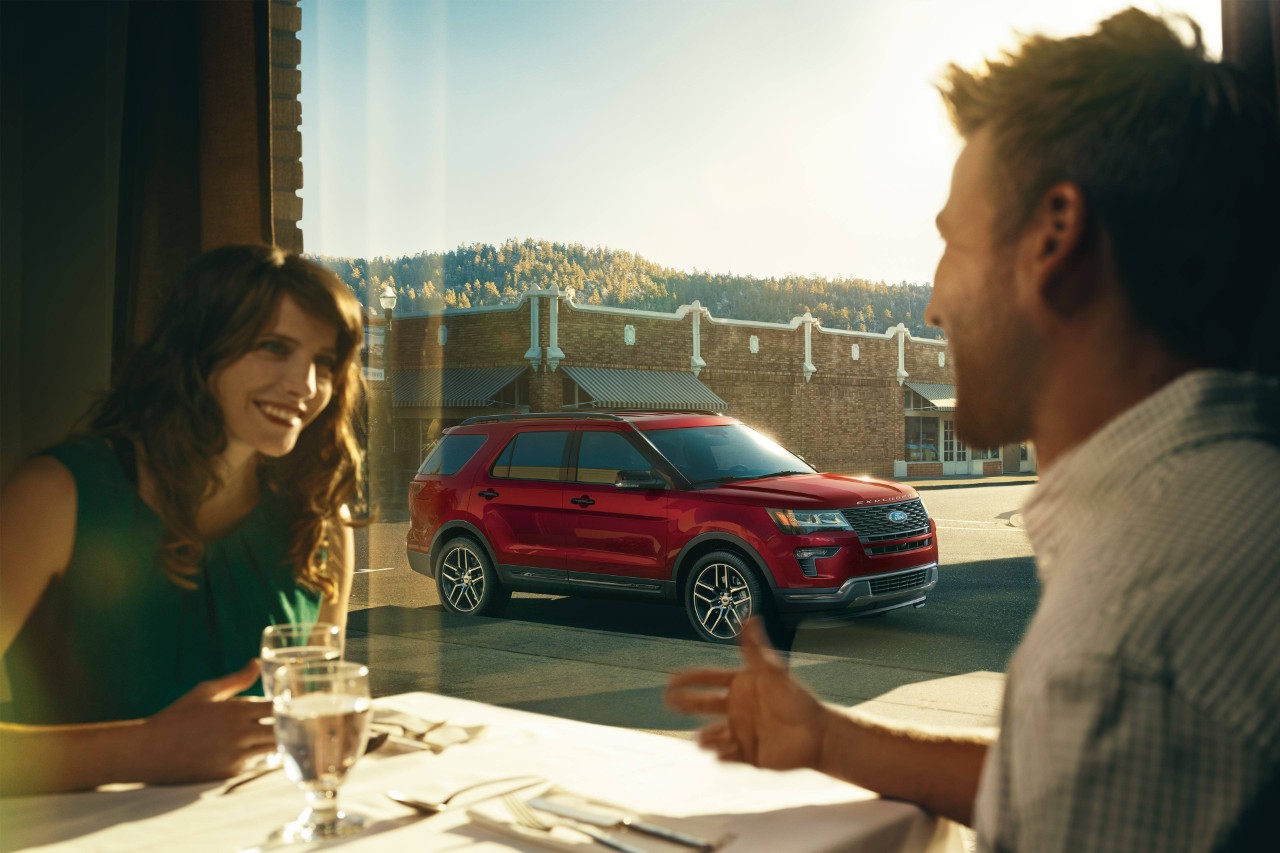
(721, 593)
(466, 580)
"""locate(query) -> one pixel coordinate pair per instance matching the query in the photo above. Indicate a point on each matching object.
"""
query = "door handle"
(582, 501)
(488, 494)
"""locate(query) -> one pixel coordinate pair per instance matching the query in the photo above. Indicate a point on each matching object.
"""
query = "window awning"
(461, 387)
(942, 398)
(644, 389)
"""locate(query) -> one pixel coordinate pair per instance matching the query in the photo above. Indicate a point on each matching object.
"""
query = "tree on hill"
(480, 274)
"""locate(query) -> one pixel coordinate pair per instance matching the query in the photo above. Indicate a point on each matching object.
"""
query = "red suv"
(662, 506)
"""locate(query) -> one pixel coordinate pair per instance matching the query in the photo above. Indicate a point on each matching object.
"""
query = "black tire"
(721, 592)
(466, 581)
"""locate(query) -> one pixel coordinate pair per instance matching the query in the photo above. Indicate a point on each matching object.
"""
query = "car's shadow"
(974, 619)
(657, 619)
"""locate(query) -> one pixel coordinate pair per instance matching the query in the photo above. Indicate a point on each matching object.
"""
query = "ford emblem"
(897, 516)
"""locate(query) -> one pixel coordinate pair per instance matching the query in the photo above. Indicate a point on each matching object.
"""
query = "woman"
(139, 563)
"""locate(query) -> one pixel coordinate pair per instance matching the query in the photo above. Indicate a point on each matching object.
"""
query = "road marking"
(366, 571)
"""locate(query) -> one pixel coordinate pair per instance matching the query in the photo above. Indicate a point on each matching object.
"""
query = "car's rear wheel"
(721, 592)
(466, 580)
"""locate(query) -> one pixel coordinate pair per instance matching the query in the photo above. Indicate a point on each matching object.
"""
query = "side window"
(532, 456)
(451, 453)
(602, 454)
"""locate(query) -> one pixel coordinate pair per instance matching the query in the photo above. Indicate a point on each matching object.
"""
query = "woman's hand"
(765, 717)
(207, 734)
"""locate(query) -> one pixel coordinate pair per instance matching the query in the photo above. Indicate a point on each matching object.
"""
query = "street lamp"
(388, 301)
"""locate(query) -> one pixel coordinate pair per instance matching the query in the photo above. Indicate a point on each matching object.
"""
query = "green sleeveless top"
(113, 638)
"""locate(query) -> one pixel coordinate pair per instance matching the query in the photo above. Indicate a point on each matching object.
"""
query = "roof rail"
(671, 412)
(614, 410)
(539, 416)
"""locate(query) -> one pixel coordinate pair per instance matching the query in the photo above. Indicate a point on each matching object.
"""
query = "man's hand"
(209, 733)
(765, 717)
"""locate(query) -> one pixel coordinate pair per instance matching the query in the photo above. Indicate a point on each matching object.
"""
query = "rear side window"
(532, 456)
(450, 454)
(602, 454)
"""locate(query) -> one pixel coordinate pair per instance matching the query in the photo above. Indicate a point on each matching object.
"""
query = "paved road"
(605, 661)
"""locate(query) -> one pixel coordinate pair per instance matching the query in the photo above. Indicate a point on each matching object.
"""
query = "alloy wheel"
(721, 600)
(463, 579)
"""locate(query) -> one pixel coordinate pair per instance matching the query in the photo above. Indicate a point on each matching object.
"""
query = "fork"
(430, 808)
(527, 817)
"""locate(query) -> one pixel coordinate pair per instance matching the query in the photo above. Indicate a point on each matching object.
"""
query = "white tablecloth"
(769, 812)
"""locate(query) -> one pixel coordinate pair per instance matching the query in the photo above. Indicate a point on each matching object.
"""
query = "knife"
(606, 817)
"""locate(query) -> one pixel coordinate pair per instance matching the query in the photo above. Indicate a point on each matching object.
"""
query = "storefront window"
(922, 440)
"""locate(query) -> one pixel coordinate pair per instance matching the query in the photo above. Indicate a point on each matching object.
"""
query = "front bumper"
(860, 596)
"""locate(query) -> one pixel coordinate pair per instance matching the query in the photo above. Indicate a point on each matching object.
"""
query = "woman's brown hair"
(163, 404)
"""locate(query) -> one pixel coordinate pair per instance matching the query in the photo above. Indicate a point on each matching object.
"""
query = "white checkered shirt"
(1142, 709)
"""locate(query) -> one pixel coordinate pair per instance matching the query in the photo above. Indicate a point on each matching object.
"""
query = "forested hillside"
(480, 274)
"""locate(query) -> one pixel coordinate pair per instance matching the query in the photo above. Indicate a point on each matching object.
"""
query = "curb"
(935, 485)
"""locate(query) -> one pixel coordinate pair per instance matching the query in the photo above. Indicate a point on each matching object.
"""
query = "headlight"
(808, 520)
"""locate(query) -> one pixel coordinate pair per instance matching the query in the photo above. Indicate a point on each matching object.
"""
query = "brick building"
(852, 402)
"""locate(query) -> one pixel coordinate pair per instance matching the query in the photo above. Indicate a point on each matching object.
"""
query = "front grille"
(899, 582)
(872, 523)
(877, 550)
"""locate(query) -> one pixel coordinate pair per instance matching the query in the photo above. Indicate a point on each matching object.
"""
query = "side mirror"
(644, 479)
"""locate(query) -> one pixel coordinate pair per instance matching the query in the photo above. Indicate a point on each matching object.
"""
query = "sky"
(758, 137)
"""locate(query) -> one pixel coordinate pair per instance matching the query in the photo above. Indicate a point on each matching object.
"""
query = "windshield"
(719, 454)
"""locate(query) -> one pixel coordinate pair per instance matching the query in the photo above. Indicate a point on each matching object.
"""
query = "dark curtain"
(1251, 40)
(195, 149)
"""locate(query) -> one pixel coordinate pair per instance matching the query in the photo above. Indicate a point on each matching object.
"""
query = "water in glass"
(322, 713)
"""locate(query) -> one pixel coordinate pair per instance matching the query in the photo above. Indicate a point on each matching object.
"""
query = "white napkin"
(410, 732)
(495, 815)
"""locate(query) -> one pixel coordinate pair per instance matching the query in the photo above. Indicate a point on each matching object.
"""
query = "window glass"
(921, 440)
(451, 453)
(533, 456)
(707, 455)
(603, 453)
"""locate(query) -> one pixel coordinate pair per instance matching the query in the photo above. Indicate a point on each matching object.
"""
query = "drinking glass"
(286, 643)
(322, 713)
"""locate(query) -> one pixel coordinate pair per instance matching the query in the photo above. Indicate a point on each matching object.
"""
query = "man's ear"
(1051, 249)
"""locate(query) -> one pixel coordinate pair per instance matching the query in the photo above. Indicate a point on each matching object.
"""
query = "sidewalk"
(964, 481)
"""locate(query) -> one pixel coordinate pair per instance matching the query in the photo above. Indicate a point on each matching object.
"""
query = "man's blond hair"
(1176, 156)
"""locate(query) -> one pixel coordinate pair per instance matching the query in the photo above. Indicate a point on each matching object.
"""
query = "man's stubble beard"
(995, 399)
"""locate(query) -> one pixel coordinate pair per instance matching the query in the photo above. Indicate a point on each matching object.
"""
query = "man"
(1111, 226)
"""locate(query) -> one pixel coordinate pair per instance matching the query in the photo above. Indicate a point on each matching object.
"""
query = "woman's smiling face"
(270, 394)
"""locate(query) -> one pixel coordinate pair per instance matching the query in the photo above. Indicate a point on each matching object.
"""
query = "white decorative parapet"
(696, 363)
(901, 331)
(554, 354)
(809, 368)
(534, 354)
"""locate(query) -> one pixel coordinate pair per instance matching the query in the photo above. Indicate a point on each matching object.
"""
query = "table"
(765, 811)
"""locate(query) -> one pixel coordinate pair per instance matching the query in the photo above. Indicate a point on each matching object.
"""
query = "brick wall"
(847, 417)
(921, 361)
